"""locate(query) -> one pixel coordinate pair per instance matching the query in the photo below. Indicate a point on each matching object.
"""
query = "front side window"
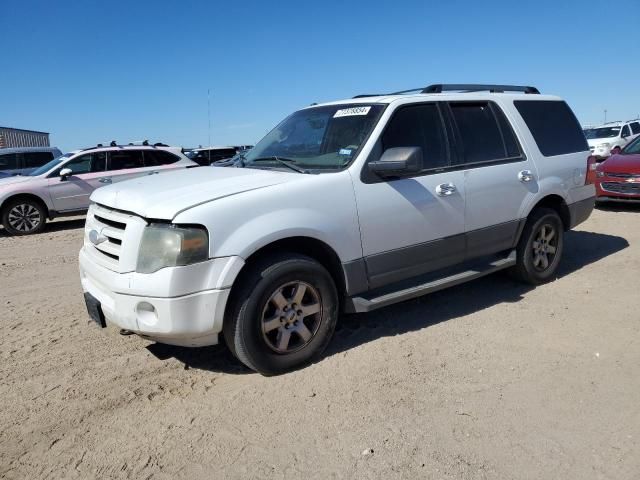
(554, 126)
(625, 131)
(319, 138)
(87, 163)
(419, 126)
(633, 148)
(484, 132)
(125, 159)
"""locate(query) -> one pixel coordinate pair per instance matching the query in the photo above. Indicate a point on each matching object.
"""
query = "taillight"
(591, 170)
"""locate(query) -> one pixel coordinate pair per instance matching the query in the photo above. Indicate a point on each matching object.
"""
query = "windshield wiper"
(283, 161)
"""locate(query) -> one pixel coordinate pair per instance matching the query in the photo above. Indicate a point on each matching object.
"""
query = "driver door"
(72, 193)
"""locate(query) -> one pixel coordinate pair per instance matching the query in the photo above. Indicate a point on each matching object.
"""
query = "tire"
(537, 260)
(283, 314)
(23, 216)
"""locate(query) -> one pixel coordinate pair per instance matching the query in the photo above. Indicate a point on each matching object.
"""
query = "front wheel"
(540, 247)
(23, 217)
(283, 314)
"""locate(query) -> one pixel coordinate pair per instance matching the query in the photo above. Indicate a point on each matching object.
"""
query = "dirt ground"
(490, 379)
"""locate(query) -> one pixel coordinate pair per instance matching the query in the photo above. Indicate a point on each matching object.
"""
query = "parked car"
(618, 177)
(209, 156)
(22, 160)
(63, 185)
(611, 135)
(345, 206)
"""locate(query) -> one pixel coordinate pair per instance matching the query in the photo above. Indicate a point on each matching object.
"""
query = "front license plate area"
(94, 309)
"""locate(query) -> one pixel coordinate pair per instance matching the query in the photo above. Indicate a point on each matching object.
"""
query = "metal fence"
(16, 137)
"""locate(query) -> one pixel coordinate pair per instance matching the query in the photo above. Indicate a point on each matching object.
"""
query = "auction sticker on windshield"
(349, 112)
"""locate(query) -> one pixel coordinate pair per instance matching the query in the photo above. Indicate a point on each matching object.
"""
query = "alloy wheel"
(24, 217)
(545, 246)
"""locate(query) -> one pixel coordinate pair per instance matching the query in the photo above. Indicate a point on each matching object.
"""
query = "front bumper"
(179, 305)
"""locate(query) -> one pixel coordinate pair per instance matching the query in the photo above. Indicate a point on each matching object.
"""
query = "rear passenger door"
(498, 177)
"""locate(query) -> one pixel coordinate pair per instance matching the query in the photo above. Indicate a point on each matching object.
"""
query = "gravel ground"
(490, 379)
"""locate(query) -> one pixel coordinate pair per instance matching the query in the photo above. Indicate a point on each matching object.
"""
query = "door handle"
(104, 180)
(446, 189)
(525, 176)
(155, 172)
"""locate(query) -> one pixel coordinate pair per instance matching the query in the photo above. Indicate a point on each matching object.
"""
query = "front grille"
(622, 175)
(117, 236)
(621, 187)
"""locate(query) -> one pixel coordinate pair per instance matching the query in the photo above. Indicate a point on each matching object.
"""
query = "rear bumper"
(581, 210)
(147, 305)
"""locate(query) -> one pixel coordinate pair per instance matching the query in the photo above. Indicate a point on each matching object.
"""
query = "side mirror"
(615, 150)
(65, 173)
(398, 162)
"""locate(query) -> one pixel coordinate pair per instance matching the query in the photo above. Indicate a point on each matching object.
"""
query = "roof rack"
(461, 87)
(138, 143)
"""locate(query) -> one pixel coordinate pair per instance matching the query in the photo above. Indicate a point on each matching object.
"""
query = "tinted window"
(625, 131)
(207, 157)
(553, 126)
(155, 158)
(87, 163)
(9, 161)
(123, 159)
(635, 128)
(418, 126)
(479, 132)
(36, 159)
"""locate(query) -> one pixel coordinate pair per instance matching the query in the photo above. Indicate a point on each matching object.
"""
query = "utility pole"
(209, 120)
(605, 115)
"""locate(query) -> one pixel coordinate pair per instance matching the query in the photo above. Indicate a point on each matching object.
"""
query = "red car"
(618, 177)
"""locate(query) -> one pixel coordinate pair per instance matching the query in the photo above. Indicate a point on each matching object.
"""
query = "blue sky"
(91, 71)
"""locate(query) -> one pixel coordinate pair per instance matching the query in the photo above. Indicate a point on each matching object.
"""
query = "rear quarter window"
(553, 125)
(9, 161)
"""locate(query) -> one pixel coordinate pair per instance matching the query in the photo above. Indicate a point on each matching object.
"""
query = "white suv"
(344, 207)
(606, 137)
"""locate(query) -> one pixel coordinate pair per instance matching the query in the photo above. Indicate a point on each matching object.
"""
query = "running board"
(369, 301)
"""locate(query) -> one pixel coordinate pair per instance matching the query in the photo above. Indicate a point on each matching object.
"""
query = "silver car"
(63, 186)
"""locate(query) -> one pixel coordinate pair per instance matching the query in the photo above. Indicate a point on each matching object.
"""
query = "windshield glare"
(49, 165)
(603, 132)
(320, 138)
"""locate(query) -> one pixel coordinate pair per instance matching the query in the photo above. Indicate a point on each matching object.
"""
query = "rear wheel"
(23, 216)
(540, 247)
(283, 315)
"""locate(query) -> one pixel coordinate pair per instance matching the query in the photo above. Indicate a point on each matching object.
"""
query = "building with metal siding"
(17, 137)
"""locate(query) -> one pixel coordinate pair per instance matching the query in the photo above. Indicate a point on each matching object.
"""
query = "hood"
(12, 180)
(594, 142)
(165, 195)
(622, 164)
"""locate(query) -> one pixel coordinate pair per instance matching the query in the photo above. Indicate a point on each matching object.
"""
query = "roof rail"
(135, 143)
(472, 87)
(463, 87)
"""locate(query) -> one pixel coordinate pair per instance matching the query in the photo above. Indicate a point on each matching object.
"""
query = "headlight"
(165, 245)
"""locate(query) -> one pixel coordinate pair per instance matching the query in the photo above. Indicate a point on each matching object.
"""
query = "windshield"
(49, 165)
(320, 138)
(603, 132)
(633, 148)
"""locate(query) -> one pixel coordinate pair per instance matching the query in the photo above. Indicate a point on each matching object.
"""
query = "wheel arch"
(557, 203)
(308, 246)
(30, 196)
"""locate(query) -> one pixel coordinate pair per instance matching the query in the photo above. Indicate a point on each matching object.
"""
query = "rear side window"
(9, 161)
(553, 125)
(479, 132)
(36, 159)
(156, 158)
(418, 126)
(635, 128)
(124, 159)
